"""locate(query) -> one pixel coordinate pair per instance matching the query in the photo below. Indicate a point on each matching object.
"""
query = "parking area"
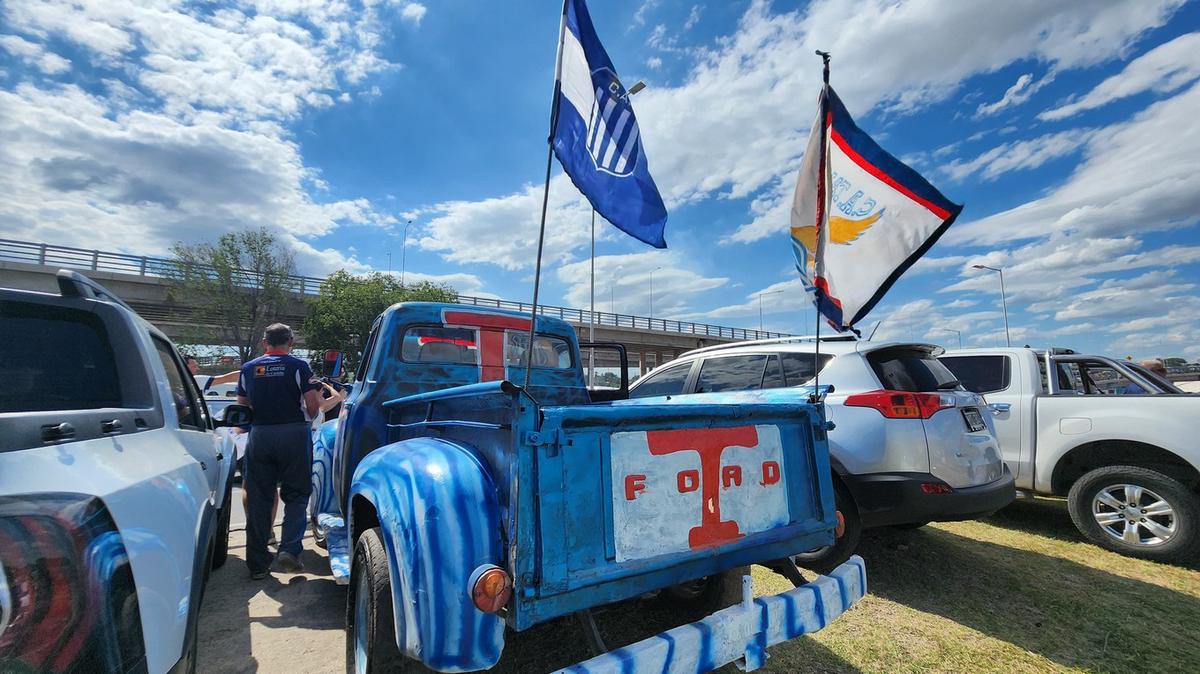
(1019, 588)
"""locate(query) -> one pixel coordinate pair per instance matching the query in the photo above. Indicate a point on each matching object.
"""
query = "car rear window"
(799, 366)
(980, 374)
(55, 358)
(909, 369)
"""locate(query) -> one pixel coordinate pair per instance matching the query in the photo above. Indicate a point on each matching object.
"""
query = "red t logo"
(491, 338)
(709, 443)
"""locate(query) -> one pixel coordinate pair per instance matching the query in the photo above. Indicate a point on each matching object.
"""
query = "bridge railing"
(50, 255)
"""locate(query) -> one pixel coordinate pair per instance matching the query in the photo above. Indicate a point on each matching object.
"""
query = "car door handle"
(110, 426)
(999, 408)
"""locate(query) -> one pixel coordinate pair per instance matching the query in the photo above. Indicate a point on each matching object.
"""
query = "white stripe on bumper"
(740, 633)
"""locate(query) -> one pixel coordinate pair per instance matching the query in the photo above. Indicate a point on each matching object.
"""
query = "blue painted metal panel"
(322, 500)
(440, 520)
(740, 633)
(576, 567)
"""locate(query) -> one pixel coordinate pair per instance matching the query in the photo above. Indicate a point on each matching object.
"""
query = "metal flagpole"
(592, 313)
(537, 274)
(822, 214)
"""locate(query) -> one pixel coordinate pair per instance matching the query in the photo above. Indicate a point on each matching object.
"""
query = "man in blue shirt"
(280, 389)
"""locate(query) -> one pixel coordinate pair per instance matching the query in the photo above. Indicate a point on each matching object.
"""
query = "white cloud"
(1137, 175)
(1163, 69)
(639, 16)
(413, 12)
(693, 17)
(185, 139)
(1019, 155)
(654, 63)
(1018, 93)
(35, 54)
(625, 281)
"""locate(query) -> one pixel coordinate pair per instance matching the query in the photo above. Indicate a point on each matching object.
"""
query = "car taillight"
(902, 404)
(71, 600)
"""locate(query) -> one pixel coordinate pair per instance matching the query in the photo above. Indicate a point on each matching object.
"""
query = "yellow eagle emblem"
(841, 231)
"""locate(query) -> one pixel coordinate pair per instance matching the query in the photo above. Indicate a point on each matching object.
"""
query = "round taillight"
(840, 529)
(491, 588)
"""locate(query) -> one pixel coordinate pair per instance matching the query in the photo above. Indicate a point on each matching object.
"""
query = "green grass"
(1017, 592)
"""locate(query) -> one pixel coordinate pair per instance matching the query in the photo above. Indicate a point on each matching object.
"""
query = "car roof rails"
(74, 284)
(776, 340)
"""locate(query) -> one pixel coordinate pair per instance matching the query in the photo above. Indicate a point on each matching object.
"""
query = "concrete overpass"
(142, 282)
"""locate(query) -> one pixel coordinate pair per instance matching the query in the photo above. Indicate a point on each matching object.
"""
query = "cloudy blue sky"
(1069, 129)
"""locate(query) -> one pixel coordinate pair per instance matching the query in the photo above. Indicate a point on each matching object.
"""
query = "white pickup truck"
(1120, 442)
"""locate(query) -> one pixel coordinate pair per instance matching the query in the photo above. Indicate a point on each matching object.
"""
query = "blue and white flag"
(596, 135)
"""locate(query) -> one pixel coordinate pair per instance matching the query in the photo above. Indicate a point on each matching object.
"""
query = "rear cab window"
(980, 374)
(909, 369)
(56, 358)
(460, 346)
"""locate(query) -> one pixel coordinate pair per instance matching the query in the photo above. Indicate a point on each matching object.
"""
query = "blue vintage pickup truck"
(461, 507)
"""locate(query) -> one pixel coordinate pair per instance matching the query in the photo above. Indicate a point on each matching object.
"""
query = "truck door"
(995, 378)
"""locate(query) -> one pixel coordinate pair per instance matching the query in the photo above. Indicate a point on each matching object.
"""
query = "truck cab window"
(980, 374)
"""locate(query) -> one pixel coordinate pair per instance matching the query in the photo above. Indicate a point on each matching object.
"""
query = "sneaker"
(287, 563)
(258, 575)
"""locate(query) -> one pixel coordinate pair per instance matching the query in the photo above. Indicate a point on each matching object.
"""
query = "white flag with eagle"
(860, 217)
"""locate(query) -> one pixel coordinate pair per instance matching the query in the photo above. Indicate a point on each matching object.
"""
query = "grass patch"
(1017, 592)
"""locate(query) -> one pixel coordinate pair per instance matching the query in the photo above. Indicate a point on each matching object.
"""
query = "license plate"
(973, 419)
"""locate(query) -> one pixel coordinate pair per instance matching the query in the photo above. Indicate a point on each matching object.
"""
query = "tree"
(237, 286)
(341, 315)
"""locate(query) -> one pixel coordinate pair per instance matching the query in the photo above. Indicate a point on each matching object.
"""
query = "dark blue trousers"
(278, 455)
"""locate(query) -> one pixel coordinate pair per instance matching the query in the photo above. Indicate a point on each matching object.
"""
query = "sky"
(1068, 129)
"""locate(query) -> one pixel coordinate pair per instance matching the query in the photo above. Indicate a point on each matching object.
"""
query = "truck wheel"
(1137, 512)
(702, 596)
(826, 559)
(221, 540)
(370, 631)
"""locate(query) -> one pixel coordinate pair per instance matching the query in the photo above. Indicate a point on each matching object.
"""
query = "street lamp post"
(760, 296)
(1003, 299)
(652, 294)
(403, 253)
(957, 332)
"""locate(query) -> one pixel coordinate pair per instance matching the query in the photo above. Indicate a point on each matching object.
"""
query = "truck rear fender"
(1115, 452)
(440, 519)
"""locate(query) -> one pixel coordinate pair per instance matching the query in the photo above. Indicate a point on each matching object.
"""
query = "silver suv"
(910, 446)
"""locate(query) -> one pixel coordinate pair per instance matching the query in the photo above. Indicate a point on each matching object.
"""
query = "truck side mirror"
(235, 415)
(333, 363)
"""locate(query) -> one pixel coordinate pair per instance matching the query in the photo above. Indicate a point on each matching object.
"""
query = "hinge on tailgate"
(552, 439)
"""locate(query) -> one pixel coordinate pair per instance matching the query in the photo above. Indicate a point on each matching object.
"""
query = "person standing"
(280, 389)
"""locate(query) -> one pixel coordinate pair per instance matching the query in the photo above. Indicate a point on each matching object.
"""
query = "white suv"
(114, 489)
(909, 446)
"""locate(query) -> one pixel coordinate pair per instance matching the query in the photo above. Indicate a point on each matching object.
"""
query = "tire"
(1170, 532)
(220, 551)
(370, 629)
(318, 537)
(703, 596)
(826, 559)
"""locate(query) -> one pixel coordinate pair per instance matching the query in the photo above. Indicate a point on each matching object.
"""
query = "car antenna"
(872, 333)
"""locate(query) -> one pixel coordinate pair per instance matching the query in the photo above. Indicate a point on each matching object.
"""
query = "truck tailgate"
(642, 495)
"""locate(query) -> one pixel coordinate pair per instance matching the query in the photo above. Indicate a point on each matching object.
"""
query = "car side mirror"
(235, 415)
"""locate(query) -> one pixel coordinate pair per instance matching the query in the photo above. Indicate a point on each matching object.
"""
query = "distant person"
(280, 389)
(193, 367)
(1154, 365)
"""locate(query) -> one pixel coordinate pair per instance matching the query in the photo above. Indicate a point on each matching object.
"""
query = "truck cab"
(469, 505)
